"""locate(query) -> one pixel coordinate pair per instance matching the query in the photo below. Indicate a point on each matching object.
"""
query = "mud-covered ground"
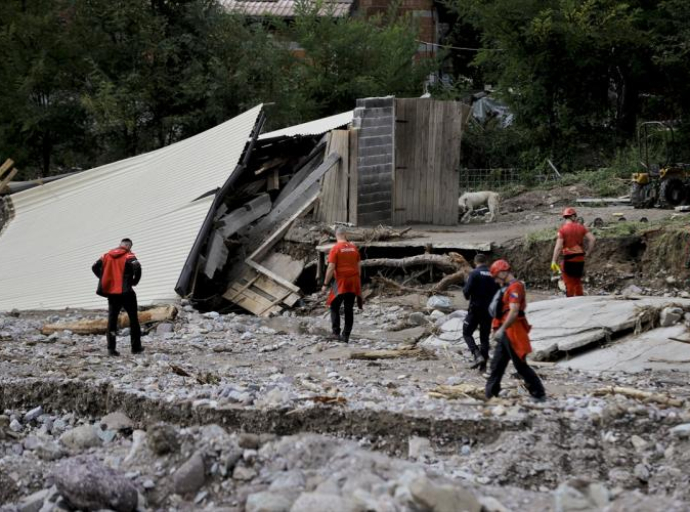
(228, 412)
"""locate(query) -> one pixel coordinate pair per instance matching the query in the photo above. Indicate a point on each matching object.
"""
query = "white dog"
(470, 201)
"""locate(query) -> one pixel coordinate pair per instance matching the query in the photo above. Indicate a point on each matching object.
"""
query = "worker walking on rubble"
(479, 290)
(574, 243)
(344, 263)
(511, 333)
(118, 272)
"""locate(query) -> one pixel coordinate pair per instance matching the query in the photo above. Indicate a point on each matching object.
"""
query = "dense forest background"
(85, 82)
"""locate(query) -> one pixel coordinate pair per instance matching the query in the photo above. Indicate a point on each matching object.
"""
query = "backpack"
(496, 306)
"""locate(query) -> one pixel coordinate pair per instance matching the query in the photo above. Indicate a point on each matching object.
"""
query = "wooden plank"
(312, 161)
(245, 215)
(353, 174)
(217, 255)
(296, 199)
(283, 265)
(255, 303)
(6, 166)
(311, 196)
(236, 293)
(273, 182)
(266, 272)
(271, 290)
(7, 179)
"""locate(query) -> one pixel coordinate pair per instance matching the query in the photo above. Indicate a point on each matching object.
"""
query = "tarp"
(158, 199)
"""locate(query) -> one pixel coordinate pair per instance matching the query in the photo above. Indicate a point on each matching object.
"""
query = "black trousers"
(477, 318)
(502, 354)
(348, 301)
(128, 302)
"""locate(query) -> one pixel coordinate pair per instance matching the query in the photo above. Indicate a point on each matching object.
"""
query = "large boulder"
(269, 502)
(87, 484)
(191, 475)
(316, 502)
(81, 438)
(442, 497)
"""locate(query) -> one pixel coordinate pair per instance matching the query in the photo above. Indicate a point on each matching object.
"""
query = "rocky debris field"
(230, 412)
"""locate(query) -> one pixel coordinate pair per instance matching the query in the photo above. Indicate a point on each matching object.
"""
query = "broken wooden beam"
(376, 234)
(245, 215)
(443, 262)
(644, 396)
(411, 351)
(100, 325)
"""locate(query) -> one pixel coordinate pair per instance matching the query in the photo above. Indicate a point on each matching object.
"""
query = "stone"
(436, 315)
(4, 421)
(33, 414)
(580, 495)
(291, 481)
(15, 426)
(116, 421)
(50, 451)
(81, 438)
(244, 473)
(165, 328)
(442, 497)
(439, 302)
(88, 484)
(454, 325)
(641, 471)
(681, 431)
(631, 290)
(163, 438)
(191, 475)
(417, 318)
(248, 441)
(670, 316)
(639, 443)
(491, 504)
(107, 436)
(671, 280)
(138, 446)
(419, 447)
(34, 502)
(269, 502)
(313, 502)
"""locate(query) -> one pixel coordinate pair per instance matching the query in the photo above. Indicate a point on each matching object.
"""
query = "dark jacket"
(118, 272)
(480, 288)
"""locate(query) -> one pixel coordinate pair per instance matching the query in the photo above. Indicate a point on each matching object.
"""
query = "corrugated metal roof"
(316, 127)
(62, 227)
(285, 8)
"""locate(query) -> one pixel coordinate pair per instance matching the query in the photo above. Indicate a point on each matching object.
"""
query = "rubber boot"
(479, 360)
(111, 337)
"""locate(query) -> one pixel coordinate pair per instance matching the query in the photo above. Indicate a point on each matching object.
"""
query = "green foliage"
(92, 81)
(579, 74)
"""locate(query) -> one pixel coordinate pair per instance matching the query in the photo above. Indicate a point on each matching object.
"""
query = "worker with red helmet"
(511, 331)
(574, 243)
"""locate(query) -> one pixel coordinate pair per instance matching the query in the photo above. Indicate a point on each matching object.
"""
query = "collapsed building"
(206, 213)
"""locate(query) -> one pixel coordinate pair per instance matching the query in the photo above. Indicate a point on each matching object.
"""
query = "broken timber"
(229, 225)
(100, 325)
(262, 290)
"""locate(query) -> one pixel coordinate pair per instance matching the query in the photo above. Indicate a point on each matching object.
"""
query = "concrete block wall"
(375, 120)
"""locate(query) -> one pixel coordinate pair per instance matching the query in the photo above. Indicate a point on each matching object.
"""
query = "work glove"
(555, 268)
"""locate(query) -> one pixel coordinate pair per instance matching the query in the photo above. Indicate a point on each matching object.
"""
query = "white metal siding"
(60, 229)
(316, 127)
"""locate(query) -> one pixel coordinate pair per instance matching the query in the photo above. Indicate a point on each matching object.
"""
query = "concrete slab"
(653, 350)
(566, 324)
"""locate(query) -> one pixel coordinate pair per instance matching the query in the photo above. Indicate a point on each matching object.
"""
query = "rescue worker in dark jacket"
(118, 272)
(479, 290)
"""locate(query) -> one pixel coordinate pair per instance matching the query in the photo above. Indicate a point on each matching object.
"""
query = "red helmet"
(569, 212)
(499, 266)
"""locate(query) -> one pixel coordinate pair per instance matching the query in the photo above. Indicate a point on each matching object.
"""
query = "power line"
(461, 48)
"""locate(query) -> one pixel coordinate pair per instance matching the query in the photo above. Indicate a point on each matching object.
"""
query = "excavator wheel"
(672, 192)
(642, 196)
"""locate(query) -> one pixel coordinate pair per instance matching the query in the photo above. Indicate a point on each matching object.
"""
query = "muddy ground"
(271, 415)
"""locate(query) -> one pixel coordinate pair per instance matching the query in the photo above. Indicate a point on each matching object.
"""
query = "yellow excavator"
(662, 184)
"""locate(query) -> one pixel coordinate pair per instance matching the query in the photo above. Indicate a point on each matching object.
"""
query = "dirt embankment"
(654, 259)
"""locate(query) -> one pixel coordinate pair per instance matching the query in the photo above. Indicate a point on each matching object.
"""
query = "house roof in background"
(285, 8)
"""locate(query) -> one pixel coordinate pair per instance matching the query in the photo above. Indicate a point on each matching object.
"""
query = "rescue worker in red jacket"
(511, 331)
(344, 263)
(574, 243)
(118, 272)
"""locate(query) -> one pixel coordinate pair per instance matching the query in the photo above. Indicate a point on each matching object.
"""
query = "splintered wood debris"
(100, 325)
